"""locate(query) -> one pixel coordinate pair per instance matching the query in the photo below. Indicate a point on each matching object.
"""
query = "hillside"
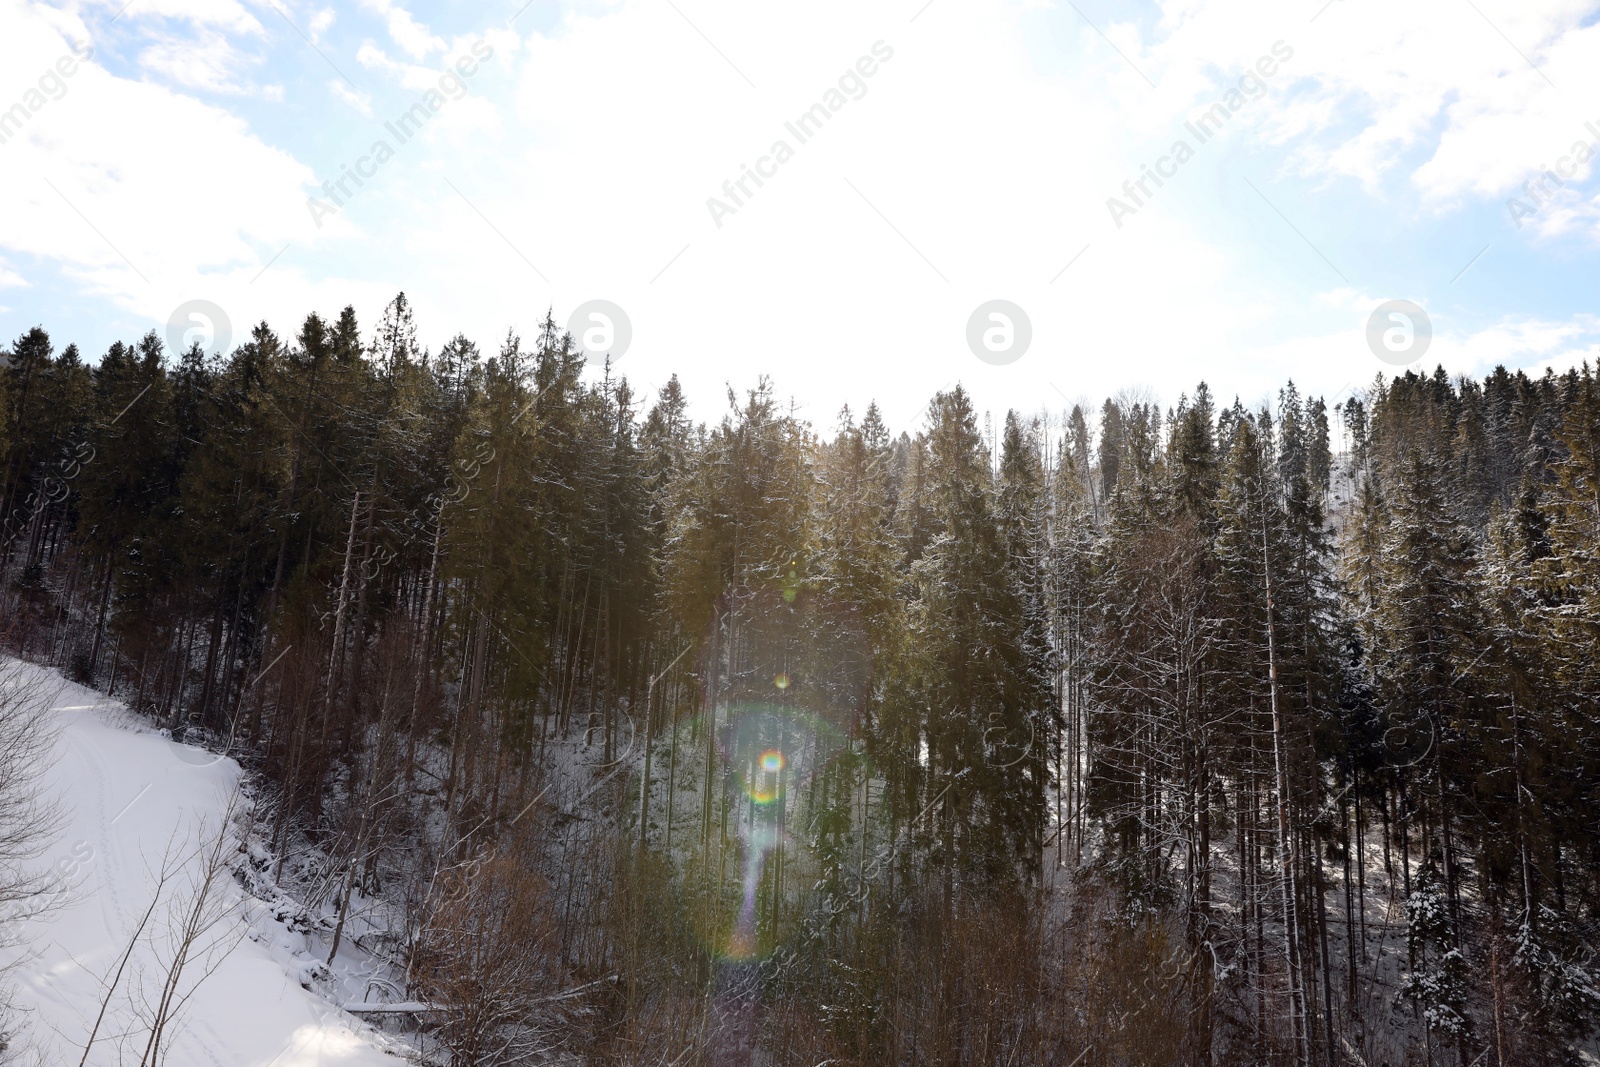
(133, 805)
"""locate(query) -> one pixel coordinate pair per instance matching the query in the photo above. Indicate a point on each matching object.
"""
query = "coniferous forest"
(1125, 735)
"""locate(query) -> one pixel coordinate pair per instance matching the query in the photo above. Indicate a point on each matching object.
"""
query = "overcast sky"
(572, 151)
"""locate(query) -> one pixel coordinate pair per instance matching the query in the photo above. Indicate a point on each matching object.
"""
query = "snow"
(129, 797)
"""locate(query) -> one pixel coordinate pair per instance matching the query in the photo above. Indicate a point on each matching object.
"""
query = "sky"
(501, 158)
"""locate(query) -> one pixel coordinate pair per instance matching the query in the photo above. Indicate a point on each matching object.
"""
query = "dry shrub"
(972, 988)
(658, 927)
(1137, 1006)
(1005, 980)
(1002, 981)
(923, 986)
(487, 960)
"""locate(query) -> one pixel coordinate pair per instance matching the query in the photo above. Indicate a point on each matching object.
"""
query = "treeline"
(1124, 736)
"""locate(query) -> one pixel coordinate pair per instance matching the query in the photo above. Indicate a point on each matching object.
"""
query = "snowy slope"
(129, 796)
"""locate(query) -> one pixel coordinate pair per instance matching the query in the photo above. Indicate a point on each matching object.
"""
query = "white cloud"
(995, 172)
(360, 101)
(1569, 213)
(372, 57)
(225, 14)
(144, 196)
(1431, 88)
(414, 38)
(971, 168)
(1339, 362)
(207, 61)
(320, 23)
(1519, 341)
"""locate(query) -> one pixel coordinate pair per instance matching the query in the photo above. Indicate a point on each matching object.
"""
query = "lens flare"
(786, 698)
(772, 749)
(766, 787)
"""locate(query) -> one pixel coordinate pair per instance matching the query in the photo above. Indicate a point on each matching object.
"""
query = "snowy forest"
(1128, 734)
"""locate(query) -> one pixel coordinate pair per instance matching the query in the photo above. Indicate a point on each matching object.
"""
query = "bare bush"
(487, 961)
(28, 818)
(184, 948)
(197, 936)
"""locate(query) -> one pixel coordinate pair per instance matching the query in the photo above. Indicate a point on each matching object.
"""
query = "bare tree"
(28, 818)
(114, 979)
(197, 934)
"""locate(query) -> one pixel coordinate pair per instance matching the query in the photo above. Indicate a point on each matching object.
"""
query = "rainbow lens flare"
(771, 749)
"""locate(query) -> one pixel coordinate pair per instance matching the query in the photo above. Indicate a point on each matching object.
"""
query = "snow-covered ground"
(131, 802)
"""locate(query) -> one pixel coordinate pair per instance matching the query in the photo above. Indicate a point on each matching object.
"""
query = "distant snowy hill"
(132, 801)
